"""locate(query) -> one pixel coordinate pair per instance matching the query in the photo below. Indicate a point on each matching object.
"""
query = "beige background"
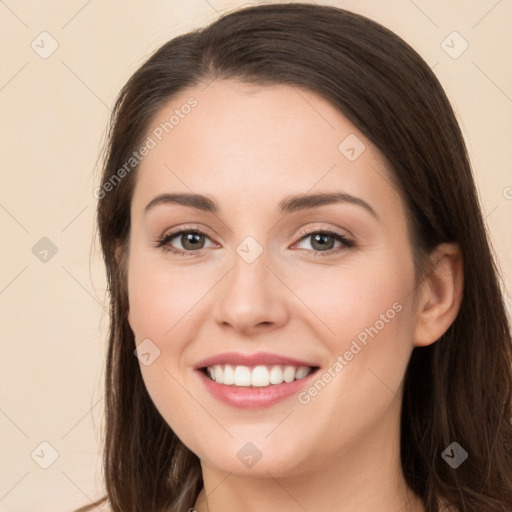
(53, 117)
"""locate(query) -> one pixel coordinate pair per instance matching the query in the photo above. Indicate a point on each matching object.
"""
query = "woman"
(297, 259)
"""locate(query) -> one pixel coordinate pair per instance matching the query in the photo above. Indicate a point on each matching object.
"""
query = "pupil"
(189, 238)
(319, 237)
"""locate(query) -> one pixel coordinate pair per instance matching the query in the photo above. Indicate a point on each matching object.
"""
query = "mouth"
(252, 381)
(255, 386)
(259, 376)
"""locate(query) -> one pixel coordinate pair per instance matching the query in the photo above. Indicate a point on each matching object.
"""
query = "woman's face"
(323, 283)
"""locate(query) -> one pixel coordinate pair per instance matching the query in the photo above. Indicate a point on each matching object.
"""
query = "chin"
(257, 458)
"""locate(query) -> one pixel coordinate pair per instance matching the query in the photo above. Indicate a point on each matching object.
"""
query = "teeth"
(302, 371)
(258, 376)
(242, 376)
(289, 374)
(228, 375)
(276, 375)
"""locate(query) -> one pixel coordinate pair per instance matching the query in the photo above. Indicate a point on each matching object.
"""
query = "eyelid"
(198, 228)
(325, 229)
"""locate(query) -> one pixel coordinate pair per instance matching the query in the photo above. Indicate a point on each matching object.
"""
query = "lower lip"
(249, 397)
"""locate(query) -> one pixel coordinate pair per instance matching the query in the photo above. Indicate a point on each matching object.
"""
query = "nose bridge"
(250, 266)
(251, 294)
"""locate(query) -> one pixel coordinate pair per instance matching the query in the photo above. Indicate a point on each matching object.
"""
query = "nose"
(251, 297)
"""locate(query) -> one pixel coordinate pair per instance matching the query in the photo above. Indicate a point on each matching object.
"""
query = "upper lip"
(260, 358)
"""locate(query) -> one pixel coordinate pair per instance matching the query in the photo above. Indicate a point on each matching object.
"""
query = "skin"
(247, 147)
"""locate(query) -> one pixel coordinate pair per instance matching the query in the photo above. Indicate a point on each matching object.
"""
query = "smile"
(257, 376)
(255, 380)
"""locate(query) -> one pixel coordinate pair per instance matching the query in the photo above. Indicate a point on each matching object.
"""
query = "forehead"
(238, 140)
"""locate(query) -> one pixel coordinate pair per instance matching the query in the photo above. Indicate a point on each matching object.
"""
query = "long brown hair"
(457, 389)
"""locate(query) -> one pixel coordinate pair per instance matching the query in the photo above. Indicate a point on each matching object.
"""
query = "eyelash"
(348, 243)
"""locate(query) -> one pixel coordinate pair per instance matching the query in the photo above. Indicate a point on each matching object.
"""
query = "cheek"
(364, 317)
(160, 302)
(165, 302)
(161, 296)
(360, 385)
(355, 301)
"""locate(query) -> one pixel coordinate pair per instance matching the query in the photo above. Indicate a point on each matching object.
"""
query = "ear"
(440, 295)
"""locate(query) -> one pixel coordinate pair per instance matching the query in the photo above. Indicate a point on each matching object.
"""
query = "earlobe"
(440, 295)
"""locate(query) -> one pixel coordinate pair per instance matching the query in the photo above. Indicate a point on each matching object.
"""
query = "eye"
(191, 241)
(323, 241)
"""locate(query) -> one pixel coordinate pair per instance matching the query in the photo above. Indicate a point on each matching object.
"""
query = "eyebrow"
(288, 205)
